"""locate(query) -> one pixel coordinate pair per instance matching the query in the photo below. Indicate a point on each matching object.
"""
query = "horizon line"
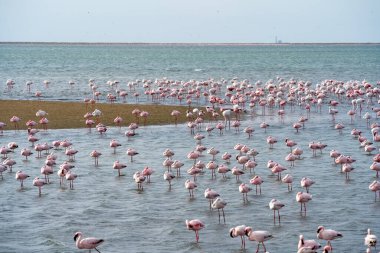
(193, 43)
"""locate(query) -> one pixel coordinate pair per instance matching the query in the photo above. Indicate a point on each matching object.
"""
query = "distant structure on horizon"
(276, 41)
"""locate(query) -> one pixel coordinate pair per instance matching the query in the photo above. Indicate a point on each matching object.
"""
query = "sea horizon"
(189, 43)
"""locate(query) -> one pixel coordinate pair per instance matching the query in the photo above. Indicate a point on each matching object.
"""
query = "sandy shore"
(64, 115)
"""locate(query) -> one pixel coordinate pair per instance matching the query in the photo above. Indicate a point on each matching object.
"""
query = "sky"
(190, 21)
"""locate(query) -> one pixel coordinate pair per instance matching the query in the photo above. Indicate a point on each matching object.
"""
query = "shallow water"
(61, 63)
(153, 220)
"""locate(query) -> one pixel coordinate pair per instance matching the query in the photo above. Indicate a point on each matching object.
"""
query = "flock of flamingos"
(222, 112)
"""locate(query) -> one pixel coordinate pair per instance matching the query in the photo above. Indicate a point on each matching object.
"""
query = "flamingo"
(114, 144)
(26, 152)
(375, 187)
(244, 189)
(303, 198)
(328, 234)
(71, 176)
(311, 244)
(219, 204)
(21, 176)
(237, 172)
(259, 236)
(306, 183)
(95, 154)
(87, 243)
(131, 152)
(190, 185)
(139, 179)
(195, 225)
(211, 195)
(257, 181)
(274, 205)
(118, 166)
(288, 179)
(38, 183)
(169, 177)
(147, 172)
(239, 231)
(370, 240)
(375, 166)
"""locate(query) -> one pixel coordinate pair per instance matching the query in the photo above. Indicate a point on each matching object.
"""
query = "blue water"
(110, 207)
(61, 63)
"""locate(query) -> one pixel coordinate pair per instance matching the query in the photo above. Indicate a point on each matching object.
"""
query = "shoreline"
(69, 115)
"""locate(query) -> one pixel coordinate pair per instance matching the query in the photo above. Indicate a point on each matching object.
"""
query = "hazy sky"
(190, 20)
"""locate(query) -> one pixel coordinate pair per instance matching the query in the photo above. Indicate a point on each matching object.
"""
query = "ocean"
(107, 206)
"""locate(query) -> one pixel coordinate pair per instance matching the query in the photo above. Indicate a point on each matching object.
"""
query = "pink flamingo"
(87, 243)
(288, 179)
(375, 166)
(21, 176)
(118, 166)
(70, 152)
(328, 234)
(118, 120)
(15, 120)
(95, 154)
(219, 204)
(190, 185)
(195, 225)
(249, 131)
(213, 167)
(168, 153)
(259, 236)
(175, 114)
(62, 174)
(311, 244)
(71, 176)
(303, 198)
(290, 143)
(38, 183)
(220, 127)
(144, 115)
(177, 166)
(211, 195)
(3, 168)
(223, 169)
(131, 152)
(306, 183)
(169, 177)
(278, 168)
(244, 189)
(257, 181)
(239, 231)
(297, 152)
(375, 187)
(274, 205)
(291, 158)
(297, 125)
(193, 155)
(114, 144)
(347, 168)
(271, 141)
(9, 162)
(139, 179)
(46, 171)
(147, 172)
(213, 151)
(237, 172)
(250, 165)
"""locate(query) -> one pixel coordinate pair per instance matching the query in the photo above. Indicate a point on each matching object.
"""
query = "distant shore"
(66, 115)
(187, 44)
